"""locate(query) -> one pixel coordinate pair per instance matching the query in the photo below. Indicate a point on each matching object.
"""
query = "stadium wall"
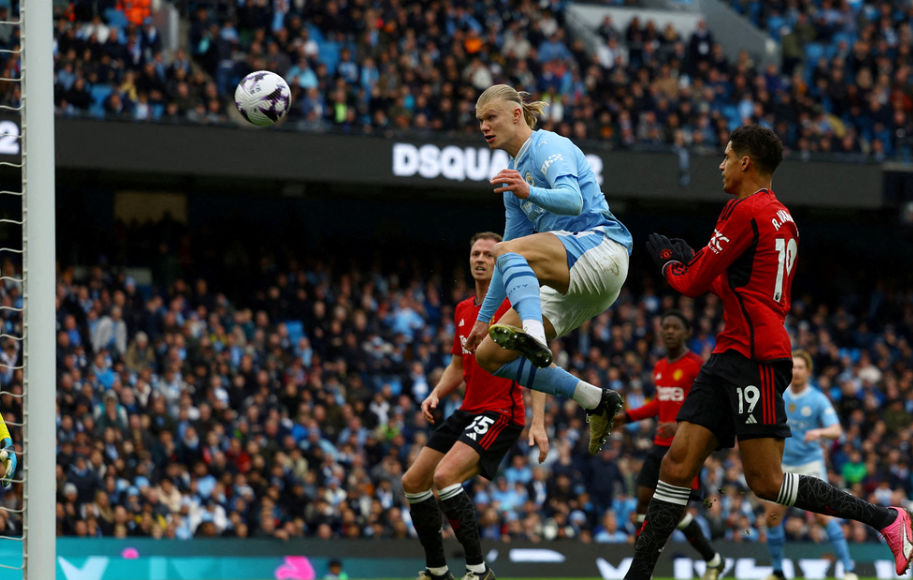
(461, 165)
(250, 559)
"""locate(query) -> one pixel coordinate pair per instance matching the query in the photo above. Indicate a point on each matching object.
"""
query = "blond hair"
(806, 357)
(507, 93)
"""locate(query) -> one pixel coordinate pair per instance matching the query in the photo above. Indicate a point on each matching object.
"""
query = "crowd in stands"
(111, 63)
(853, 59)
(292, 409)
(844, 86)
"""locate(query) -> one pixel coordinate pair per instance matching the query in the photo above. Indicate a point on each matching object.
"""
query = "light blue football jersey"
(544, 159)
(804, 412)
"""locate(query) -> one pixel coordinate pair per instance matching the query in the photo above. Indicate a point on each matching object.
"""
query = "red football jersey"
(749, 263)
(484, 392)
(673, 380)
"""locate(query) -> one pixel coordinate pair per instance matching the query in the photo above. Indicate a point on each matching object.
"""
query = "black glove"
(683, 247)
(663, 250)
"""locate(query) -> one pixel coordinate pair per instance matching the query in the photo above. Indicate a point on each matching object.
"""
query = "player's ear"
(746, 162)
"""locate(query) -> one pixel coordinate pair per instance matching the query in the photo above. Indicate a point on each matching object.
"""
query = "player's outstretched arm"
(450, 381)
(831, 432)
(537, 435)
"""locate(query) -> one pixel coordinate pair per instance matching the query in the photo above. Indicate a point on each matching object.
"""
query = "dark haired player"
(673, 376)
(749, 263)
(472, 441)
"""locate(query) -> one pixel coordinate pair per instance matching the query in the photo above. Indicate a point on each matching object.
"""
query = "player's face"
(674, 333)
(496, 124)
(482, 259)
(800, 372)
(731, 170)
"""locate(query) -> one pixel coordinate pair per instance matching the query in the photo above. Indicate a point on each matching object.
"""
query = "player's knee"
(502, 248)
(676, 470)
(414, 482)
(487, 356)
(764, 485)
(444, 478)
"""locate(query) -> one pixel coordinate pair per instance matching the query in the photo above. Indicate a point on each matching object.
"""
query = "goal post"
(39, 275)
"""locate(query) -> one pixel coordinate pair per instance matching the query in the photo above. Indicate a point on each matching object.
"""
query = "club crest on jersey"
(806, 411)
(529, 178)
(677, 375)
(717, 242)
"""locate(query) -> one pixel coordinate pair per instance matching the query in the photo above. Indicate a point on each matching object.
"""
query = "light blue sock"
(551, 380)
(776, 538)
(521, 285)
(838, 540)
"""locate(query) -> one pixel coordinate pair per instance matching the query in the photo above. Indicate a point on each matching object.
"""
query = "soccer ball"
(263, 98)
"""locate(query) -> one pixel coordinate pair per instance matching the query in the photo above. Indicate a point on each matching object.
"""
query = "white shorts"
(813, 469)
(598, 267)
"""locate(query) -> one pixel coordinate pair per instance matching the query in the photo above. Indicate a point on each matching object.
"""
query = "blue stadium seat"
(774, 24)
(731, 112)
(99, 94)
(295, 330)
(315, 32)
(329, 55)
(813, 51)
(116, 17)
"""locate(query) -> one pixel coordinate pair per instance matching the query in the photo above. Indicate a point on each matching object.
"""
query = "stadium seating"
(424, 55)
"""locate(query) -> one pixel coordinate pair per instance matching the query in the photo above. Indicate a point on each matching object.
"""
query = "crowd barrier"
(266, 559)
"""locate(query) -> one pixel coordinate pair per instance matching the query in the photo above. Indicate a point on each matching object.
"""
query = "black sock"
(462, 516)
(663, 515)
(426, 517)
(818, 496)
(696, 538)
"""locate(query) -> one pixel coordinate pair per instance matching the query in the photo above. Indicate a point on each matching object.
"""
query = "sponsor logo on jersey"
(548, 162)
(717, 242)
(531, 210)
(675, 394)
(751, 420)
(791, 408)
